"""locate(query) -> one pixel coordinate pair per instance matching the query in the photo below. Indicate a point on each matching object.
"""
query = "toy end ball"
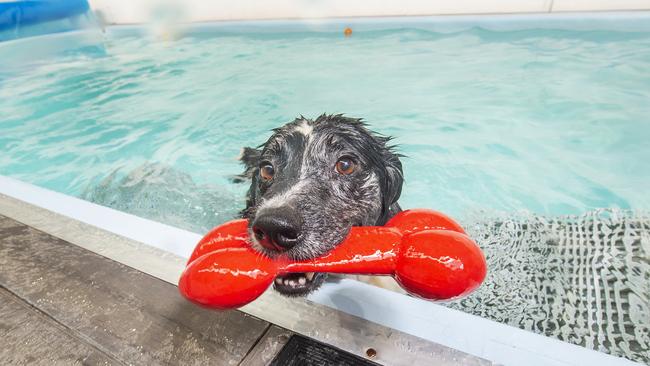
(455, 266)
(227, 278)
(347, 32)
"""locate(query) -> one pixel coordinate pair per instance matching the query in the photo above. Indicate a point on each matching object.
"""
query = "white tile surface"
(129, 12)
(593, 5)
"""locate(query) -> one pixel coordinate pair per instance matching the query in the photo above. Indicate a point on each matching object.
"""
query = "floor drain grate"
(301, 351)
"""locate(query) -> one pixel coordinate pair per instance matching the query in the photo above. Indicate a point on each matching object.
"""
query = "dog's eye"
(345, 166)
(267, 171)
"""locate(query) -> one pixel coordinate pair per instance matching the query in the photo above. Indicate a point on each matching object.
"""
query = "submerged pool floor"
(582, 279)
(535, 139)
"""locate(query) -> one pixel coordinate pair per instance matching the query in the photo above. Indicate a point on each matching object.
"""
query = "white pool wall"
(142, 11)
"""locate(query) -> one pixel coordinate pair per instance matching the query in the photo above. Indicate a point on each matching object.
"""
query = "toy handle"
(367, 250)
(432, 264)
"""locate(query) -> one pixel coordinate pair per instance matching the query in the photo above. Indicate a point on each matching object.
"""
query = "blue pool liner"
(35, 17)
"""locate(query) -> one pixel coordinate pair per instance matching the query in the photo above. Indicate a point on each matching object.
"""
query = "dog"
(313, 180)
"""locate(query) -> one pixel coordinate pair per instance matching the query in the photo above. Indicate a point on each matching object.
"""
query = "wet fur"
(304, 153)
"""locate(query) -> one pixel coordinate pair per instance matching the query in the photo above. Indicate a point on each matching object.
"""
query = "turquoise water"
(551, 122)
(538, 140)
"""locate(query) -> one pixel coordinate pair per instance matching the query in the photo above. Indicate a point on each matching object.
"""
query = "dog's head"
(311, 182)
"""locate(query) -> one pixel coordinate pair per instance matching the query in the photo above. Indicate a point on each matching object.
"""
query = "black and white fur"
(309, 195)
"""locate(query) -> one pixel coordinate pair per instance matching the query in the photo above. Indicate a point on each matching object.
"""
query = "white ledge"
(131, 12)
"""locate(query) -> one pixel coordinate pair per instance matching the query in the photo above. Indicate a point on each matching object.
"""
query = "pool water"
(551, 122)
(498, 129)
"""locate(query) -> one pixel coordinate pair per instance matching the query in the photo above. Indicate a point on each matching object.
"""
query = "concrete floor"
(62, 304)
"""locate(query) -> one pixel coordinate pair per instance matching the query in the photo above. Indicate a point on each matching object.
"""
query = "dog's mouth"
(298, 284)
(301, 284)
(295, 284)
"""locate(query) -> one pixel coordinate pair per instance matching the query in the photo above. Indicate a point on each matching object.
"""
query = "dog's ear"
(391, 184)
(250, 157)
(394, 181)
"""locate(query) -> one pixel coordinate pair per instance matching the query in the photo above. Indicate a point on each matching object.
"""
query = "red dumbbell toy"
(426, 252)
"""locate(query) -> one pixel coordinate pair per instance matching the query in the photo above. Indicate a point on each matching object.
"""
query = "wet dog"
(311, 181)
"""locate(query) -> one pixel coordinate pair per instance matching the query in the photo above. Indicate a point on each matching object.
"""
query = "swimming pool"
(528, 136)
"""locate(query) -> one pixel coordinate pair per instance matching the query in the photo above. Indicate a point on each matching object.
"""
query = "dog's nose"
(278, 229)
